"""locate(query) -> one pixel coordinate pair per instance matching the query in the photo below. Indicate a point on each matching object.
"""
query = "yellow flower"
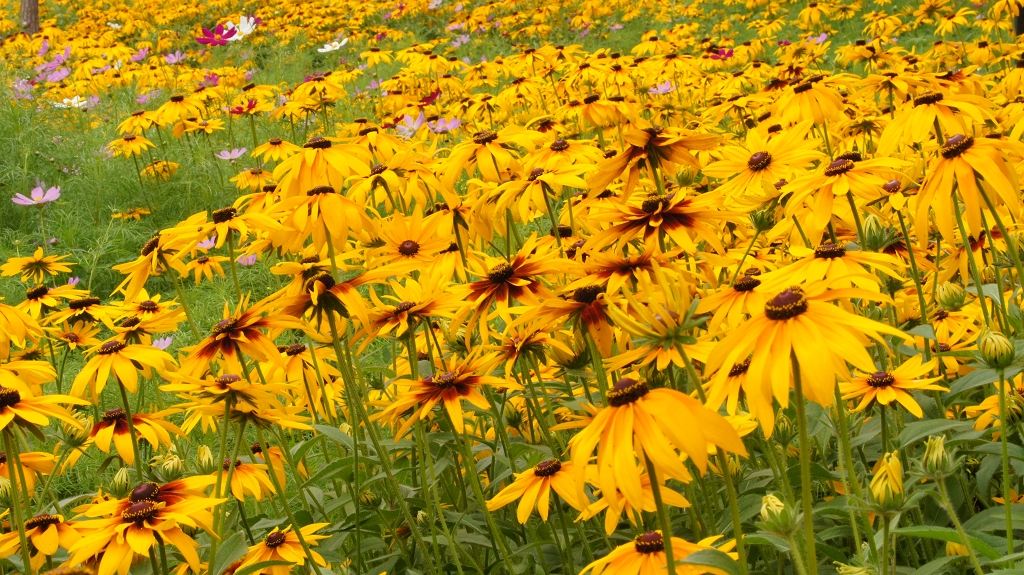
(35, 268)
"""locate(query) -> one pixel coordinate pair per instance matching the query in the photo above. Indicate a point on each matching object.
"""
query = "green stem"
(1004, 429)
(805, 470)
(947, 504)
(17, 473)
(666, 524)
(131, 431)
(296, 528)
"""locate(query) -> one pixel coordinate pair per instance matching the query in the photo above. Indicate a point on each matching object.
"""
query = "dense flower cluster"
(457, 273)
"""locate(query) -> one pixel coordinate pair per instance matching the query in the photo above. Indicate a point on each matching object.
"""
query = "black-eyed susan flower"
(533, 488)
(639, 424)
(122, 360)
(283, 546)
(46, 535)
(113, 426)
(886, 387)
(645, 555)
(799, 323)
(36, 267)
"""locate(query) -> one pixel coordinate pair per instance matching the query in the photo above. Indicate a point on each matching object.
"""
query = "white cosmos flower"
(77, 102)
(332, 46)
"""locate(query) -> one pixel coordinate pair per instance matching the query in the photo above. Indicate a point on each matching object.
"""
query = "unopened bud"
(763, 219)
(876, 235)
(936, 460)
(204, 459)
(171, 467)
(950, 296)
(122, 482)
(887, 482)
(776, 517)
(996, 349)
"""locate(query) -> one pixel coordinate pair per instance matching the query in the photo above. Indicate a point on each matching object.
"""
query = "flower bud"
(956, 549)
(204, 459)
(996, 349)
(122, 482)
(171, 466)
(887, 482)
(776, 517)
(843, 569)
(876, 235)
(763, 219)
(950, 296)
(936, 460)
(77, 435)
(5, 492)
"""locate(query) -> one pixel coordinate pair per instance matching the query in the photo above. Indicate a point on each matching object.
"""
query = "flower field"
(438, 287)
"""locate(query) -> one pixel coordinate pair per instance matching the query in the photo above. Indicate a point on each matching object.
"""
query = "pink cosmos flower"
(231, 155)
(219, 36)
(38, 195)
(162, 342)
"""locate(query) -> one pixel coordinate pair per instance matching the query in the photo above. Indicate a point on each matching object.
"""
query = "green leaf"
(918, 430)
(994, 519)
(257, 567)
(977, 378)
(231, 549)
(950, 535)
(712, 558)
(335, 435)
(765, 538)
(935, 567)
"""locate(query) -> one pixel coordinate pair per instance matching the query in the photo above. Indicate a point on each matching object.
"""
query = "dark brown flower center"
(444, 379)
(295, 349)
(956, 145)
(927, 98)
(83, 303)
(402, 307)
(226, 325)
(881, 379)
(892, 186)
(8, 397)
(177, 98)
(224, 215)
(535, 173)
(275, 141)
(547, 468)
(651, 205)
(626, 391)
(501, 273)
(41, 521)
(839, 166)
(409, 248)
(378, 170)
(318, 143)
(829, 250)
(275, 539)
(759, 161)
(112, 415)
(144, 492)
(320, 191)
(788, 304)
(227, 379)
(324, 278)
(140, 512)
(740, 368)
(110, 347)
(587, 294)
(650, 542)
(746, 283)
(559, 146)
(150, 245)
(129, 321)
(481, 138)
(37, 292)
(149, 306)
